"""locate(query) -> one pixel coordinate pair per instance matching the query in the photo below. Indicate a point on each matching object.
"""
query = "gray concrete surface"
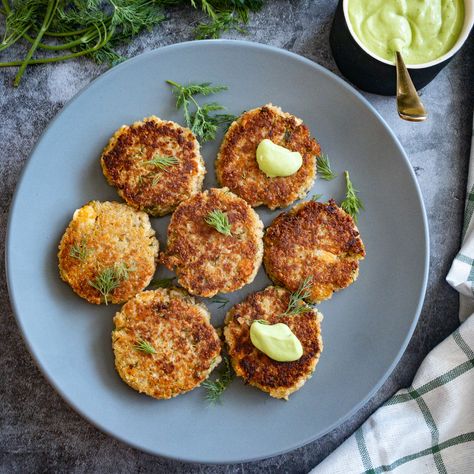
(38, 431)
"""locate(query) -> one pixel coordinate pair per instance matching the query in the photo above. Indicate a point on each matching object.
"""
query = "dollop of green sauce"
(275, 160)
(277, 341)
(422, 30)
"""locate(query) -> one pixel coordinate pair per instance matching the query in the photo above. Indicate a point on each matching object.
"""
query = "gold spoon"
(409, 104)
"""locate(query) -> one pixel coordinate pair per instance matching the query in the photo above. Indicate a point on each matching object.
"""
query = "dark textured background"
(38, 431)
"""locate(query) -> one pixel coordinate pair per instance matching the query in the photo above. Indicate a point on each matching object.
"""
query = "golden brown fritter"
(154, 164)
(237, 167)
(164, 344)
(279, 379)
(108, 252)
(317, 240)
(208, 262)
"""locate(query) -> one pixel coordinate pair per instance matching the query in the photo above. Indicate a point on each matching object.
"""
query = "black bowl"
(363, 70)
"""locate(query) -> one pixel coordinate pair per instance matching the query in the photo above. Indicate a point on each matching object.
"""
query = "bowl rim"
(466, 29)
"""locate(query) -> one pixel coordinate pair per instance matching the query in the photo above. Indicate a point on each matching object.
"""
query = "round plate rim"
(331, 76)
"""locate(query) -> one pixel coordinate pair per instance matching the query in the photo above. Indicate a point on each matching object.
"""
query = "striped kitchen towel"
(461, 275)
(428, 427)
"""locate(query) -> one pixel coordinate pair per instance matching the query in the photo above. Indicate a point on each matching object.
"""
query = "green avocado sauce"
(422, 30)
(275, 160)
(277, 341)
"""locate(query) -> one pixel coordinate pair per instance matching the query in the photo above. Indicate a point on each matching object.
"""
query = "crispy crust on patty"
(187, 347)
(145, 186)
(279, 379)
(237, 167)
(108, 235)
(208, 262)
(317, 240)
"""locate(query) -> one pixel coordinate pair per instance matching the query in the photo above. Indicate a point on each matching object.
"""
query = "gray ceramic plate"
(366, 327)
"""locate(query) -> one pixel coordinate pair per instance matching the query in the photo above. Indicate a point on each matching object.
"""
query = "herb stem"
(56, 34)
(6, 5)
(50, 10)
(100, 42)
(92, 33)
(296, 304)
(12, 39)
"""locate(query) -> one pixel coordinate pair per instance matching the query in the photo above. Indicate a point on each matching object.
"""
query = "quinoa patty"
(316, 240)
(206, 261)
(154, 164)
(237, 167)
(279, 379)
(164, 344)
(108, 252)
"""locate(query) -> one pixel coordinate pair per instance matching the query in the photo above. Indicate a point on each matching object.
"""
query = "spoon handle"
(409, 104)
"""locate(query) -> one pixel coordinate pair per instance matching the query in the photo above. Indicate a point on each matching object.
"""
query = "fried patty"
(279, 379)
(164, 344)
(108, 252)
(206, 261)
(313, 240)
(237, 167)
(154, 164)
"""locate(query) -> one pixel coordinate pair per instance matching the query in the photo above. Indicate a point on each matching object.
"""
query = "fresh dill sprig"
(221, 22)
(162, 283)
(220, 300)
(297, 305)
(122, 270)
(144, 346)
(201, 122)
(225, 16)
(80, 251)
(95, 28)
(219, 221)
(316, 197)
(352, 203)
(205, 125)
(110, 278)
(82, 27)
(161, 162)
(216, 388)
(324, 167)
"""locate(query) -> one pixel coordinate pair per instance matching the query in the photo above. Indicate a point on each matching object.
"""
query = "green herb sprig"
(352, 203)
(161, 162)
(201, 122)
(144, 346)
(110, 278)
(162, 283)
(220, 221)
(216, 388)
(80, 251)
(297, 305)
(221, 22)
(316, 197)
(225, 16)
(324, 167)
(220, 300)
(95, 28)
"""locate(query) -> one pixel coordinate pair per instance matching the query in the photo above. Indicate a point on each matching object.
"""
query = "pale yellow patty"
(237, 167)
(164, 344)
(206, 261)
(279, 379)
(127, 163)
(108, 252)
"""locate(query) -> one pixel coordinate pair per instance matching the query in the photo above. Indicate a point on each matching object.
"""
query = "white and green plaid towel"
(461, 275)
(428, 427)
